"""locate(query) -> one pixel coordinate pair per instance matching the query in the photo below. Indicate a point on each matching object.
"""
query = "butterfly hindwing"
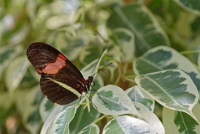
(55, 92)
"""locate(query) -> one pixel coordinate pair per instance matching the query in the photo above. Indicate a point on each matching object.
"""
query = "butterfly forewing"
(60, 80)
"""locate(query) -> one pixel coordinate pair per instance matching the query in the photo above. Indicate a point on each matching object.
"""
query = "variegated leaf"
(163, 58)
(112, 100)
(137, 95)
(60, 124)
(127, 125)
(171, 88)
(91, 129)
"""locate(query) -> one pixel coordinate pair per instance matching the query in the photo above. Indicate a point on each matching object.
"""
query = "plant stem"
(99, 119)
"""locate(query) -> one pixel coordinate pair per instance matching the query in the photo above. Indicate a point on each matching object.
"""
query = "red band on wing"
(39, 71)
(53, 68)
(62, 56)
(84, 81)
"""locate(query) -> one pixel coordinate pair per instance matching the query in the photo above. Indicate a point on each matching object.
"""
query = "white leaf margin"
(150, 118)
(190, 9)
(123, 99)
(91, 126)
(191, 89)
(177, 58)
(62, 119)
(126, 124)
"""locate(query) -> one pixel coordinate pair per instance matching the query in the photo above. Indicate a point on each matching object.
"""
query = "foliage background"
(82, 29)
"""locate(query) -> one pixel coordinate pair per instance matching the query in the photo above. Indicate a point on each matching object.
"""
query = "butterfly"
(60, 80)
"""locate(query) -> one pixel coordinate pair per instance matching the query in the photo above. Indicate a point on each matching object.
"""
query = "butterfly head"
(89, 82)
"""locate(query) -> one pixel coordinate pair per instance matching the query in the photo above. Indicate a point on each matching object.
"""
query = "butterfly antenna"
(102, 68)
(97, 63)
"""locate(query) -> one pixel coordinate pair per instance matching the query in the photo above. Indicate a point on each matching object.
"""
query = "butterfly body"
(60, 80)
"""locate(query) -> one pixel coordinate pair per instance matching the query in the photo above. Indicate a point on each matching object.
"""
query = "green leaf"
(15, 72)
(112, 100)
(185, 122)
(60, 124)
(150, 118)
(92, 68)
(123, 38)
(50, 118)
(127, 125)
(27, 103)
(90, 129)
(168, 121)
(90, 52)
(179, 122)
(171, 88)
(83, 118)
(140, 21)
(46, 108)
(199, 60)
(54, 112)
(6, 102)
(190, 5)
(6, 56)
(70, 43)
(163, 58)
(137, 95)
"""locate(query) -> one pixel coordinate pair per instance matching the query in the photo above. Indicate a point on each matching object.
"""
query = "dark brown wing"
(55, 68)
(41, 55)
(55, 92)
